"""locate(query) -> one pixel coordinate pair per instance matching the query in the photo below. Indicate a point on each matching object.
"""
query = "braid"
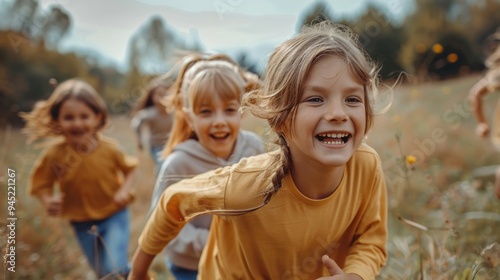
(283, 161)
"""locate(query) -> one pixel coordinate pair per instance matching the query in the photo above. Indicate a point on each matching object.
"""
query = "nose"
(77, 122)
(335, 112)
(219, 119)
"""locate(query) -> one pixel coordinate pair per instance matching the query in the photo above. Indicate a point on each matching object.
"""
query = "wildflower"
(410, 160)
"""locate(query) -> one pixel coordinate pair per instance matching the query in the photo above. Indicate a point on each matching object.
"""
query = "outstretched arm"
(136, 124)
(125, 194)
(140, 265)
(476, 94)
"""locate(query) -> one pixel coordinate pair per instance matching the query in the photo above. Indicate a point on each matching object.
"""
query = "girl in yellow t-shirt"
(315, 207)
(93, 175)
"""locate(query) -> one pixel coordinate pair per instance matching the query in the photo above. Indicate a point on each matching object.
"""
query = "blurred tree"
(379, 36)
(381, 40)
(153, 50)
(421, 30)
(25, 72)
(55, 26)
(318, 12)
(484, 20)
(20, 16)
(451, 55)
(459, 27)
(153, 46)
(246, 63)
(38, 26)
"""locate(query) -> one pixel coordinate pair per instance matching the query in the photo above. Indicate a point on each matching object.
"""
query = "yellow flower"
(411, 160)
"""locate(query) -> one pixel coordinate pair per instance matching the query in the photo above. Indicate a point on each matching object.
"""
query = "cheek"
(363, 120)
(236, 121)
(199, 124)
(63, 123)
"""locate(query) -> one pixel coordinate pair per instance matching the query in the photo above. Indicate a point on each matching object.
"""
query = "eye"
(67, 117)
(314, 99)
(204, 111)
(353, 99)
(231, 109)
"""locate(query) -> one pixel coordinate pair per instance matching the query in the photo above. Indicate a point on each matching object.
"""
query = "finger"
(331, 265)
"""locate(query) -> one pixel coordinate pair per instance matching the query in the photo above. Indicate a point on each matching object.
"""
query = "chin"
(334, 163)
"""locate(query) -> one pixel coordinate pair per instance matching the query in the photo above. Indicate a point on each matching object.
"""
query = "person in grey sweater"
(206, 135)
(152, 114)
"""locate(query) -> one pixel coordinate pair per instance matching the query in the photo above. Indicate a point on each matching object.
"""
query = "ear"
(99, 117)
(100, 121)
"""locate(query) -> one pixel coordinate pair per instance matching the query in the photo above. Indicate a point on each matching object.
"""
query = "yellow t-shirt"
(286, 238)
(88, 181)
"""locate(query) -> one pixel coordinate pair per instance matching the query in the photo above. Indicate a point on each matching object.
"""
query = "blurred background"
(118, 44)
(444, 219)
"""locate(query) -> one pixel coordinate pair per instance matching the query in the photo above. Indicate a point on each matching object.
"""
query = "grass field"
(442, 211)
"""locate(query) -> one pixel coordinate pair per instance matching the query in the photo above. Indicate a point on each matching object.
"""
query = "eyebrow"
(320, 89)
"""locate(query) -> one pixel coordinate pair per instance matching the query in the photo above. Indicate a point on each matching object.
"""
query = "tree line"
(438, 39)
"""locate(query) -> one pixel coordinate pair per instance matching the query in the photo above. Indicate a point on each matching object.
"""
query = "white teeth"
(334, 142)
(334, 135)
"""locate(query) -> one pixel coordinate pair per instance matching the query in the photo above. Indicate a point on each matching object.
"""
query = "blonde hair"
(146, 100)
(201, 78)
(288, 67)
(41, 122)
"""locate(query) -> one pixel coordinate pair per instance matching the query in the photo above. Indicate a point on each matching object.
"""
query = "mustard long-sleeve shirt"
(286, 238)
(88, 181)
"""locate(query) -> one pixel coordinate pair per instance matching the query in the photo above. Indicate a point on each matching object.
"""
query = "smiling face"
(330, 120)
(78, 122)
(216, 123)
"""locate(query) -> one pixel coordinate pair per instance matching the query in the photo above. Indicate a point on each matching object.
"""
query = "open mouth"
(78, 133)
(333, 138)
(220, 135)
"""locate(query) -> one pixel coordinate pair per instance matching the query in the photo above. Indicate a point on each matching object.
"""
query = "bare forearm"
(125, 194)
(476, 95)
(140, 265)
(129, 180)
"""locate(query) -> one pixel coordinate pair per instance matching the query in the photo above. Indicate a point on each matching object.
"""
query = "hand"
(335, 271)
(123, 197)
(53, 204)
(134, 276)
(482, 130)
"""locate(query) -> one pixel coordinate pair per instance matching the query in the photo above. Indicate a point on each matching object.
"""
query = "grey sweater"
(187, 160)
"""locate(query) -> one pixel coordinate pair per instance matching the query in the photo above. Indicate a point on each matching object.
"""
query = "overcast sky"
(107, 25)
